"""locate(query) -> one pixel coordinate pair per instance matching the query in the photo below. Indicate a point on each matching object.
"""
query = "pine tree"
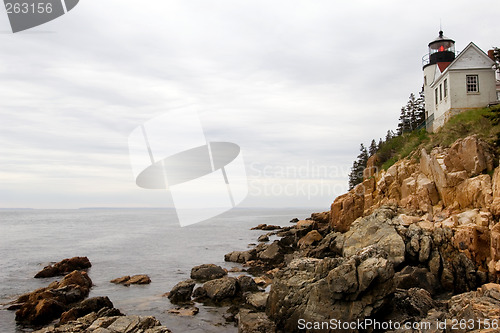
(389, 135)
(420, 107)
(373, 148)
(403, 121)
(412, 112)
(358, 166)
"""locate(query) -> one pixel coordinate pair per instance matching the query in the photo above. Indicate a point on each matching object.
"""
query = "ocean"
(122, 242)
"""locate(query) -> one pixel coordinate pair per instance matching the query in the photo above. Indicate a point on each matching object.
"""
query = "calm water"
(125, 242)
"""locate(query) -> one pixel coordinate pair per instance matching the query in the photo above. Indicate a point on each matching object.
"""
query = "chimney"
(491, 54)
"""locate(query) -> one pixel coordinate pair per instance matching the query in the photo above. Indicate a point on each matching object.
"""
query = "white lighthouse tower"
(441, 55)
(456, 82)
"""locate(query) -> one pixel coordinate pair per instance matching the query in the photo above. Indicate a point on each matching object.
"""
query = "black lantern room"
(441, 49)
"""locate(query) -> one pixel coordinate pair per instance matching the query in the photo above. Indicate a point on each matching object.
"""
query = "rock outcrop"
(450, 188)
(343, 288)
(129, 280)
(64, 267)
(181, 292)
(103, 322)
(46, 304)
(207, 272)
(65, 300)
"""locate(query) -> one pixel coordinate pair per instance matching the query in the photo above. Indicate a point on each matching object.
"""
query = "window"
(472, 83)
(425, 80)
(436, 94)
(440, 92)
(445, 88)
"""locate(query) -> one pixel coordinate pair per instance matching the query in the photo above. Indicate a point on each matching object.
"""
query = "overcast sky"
(298, 85)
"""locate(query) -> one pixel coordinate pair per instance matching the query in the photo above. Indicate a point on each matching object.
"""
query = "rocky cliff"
(416, 243)
(451, 199)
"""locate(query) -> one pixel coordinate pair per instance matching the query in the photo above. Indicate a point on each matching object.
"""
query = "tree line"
(412, 117)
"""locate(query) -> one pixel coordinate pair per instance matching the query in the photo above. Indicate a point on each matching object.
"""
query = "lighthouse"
(455, 82)
(441, 55)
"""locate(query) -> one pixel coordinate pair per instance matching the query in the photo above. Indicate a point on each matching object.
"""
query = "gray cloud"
(290, 81)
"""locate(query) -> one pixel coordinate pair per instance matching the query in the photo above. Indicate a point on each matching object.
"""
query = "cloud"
(290, 81)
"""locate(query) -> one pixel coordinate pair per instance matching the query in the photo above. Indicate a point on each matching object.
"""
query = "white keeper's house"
(455, 83)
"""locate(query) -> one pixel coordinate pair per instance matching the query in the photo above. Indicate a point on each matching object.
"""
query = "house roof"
(472, 57)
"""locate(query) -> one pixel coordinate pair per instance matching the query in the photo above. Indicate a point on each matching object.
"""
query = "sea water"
(122, 242)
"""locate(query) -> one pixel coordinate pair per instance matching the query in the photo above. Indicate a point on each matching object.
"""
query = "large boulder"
(85, 307)
(240, 256)
(247, 283)
(46, 304)
(181, 292)
(220, 289)
(271, 253)
(207, 272)
(64, 267)
(311, 238)
(471, 155)
(347, 289)
(377, 230)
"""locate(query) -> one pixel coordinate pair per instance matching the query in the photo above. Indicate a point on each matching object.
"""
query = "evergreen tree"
(404, 121)
(411, 107)
(358, 166)
(373, 148)
(389, 135)
(412, 114)
(420, 107)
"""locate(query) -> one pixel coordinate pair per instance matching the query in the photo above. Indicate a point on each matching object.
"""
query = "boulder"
(323, 217)
(187, 311)
(347, 289)
(271, 253)
(471, 155)
(220, 289)
(475, 192)
(240, 256)
(247, 283)
(376, 230)
(85, 307)
(207, 272)
(311, 238)
(64, 267)
(263, 238)
(304, 224)
(135, 279)
(181, 292)
(199, 293)
(257, 300)
(46, 304)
